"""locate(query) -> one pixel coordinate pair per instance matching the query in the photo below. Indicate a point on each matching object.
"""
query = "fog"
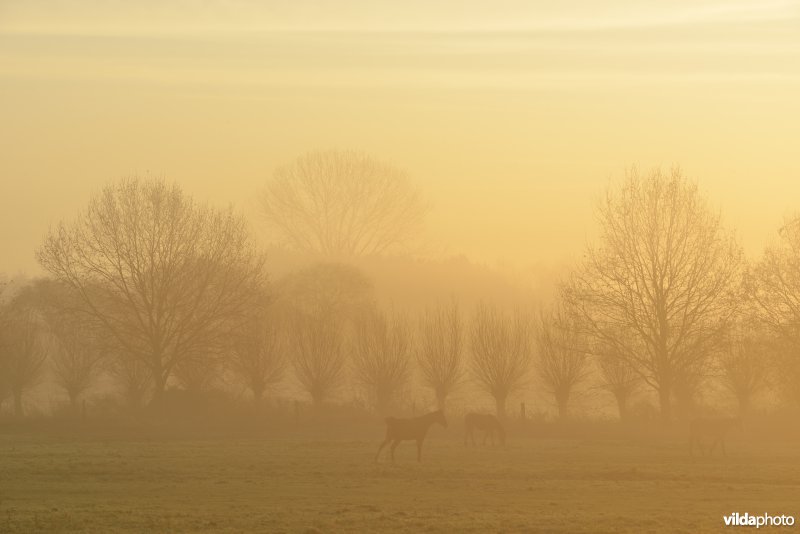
(378, 266)
(518, 113)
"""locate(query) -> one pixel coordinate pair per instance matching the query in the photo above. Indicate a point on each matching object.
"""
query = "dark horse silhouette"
(486, 422)
(398, 430)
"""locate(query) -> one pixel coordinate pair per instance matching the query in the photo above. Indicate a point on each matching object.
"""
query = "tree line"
(148, 288)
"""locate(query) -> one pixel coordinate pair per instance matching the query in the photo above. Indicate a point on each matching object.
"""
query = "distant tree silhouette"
(132, 376)
(616, 376)
(165, 277)
(744, 363)
(382, 349)
(200, 371)
(328, 289)
(77, 349)
(440, 351)
(257, 358)
(661, 288)
(4, 385)
(24, 353)
(76, 357)
(562, 359)
(318, 354)
(342, 203)
(774, 283)
(501, 352)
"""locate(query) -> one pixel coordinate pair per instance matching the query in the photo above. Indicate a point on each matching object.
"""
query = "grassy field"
(264, 485)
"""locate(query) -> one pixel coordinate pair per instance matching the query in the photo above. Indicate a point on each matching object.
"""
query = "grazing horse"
(398, 430)
(486, 422)
(715, 429)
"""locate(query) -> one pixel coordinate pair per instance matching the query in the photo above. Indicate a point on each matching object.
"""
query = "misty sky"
(512, 116)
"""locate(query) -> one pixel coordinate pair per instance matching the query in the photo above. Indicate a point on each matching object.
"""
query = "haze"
(511, 118)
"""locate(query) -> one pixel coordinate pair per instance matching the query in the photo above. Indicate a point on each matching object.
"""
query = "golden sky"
(511, 115)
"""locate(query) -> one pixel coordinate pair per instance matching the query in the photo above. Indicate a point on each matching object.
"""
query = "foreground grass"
(250, 485)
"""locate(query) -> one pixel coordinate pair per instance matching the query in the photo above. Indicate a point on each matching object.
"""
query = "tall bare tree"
(662, 285)
(257, 358)
(562, 361)
(342, 203)
(167, 278)
(318, 354)
(440, 351)
(382, 349)
(501, 347)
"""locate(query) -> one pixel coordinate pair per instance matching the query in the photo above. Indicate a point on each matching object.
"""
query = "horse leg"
(419, 450)
(394, 446)
(386, 441)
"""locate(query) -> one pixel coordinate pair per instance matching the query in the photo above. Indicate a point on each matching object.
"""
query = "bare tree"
(76, 358)
(774, 284)
(440, 353)
(4, 385)
(76, 355)
(199, 372)
(318, 355)
(501, 352)
(662, 286)
(257, 357)
(327, 289)
(382, 357)
(25, 351)
(744, 364)
(562, 362)
(342, 203)
(132, 376)
(617, 377)
(165, 277)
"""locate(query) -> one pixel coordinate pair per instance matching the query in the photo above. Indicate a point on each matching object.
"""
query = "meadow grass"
(50, 484)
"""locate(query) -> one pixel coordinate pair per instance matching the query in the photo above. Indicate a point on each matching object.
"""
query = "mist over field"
(377, 266)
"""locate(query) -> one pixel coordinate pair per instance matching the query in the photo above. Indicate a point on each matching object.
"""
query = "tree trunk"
(665, 404)
(18, 402)
(441, 398)
(317, 398)
(258, 394)
(622, 405)
(382, 404)
(500, 402)
(562, 407)
(744, 404)
(159, 386)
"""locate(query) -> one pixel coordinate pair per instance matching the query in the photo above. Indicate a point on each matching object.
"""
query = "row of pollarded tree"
(324, 334)
(164, 286)
(665, 296)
